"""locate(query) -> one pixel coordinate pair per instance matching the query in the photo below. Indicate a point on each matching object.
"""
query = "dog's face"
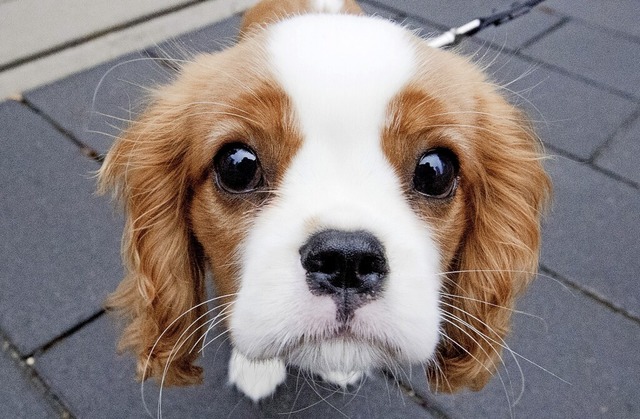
(360, 198)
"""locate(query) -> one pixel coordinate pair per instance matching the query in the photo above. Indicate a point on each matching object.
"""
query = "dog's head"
(360, 198)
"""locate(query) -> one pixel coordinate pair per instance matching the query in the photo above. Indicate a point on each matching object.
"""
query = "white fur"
(327, 6)
(256, 379)
(340, 73)
(342, 379)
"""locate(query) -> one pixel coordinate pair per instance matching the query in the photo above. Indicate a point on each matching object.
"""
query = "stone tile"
(592, 53)
(58, 242)
(115, 44)
(516, 34)
(18, 397)
(621, 156)
(208, 39)
(591, 235)
(569, 114)
(379, 11)
(619, 15)
(423, 29)
(511, 35)
(94, 382)
(578, 363)
(96, 104)
(446, 14)
(33, 26)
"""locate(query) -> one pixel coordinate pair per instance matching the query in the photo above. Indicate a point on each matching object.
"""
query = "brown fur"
(178, 222)
(267, 12)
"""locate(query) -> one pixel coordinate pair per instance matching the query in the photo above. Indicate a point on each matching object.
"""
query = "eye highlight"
(237, 169)
(436, 174)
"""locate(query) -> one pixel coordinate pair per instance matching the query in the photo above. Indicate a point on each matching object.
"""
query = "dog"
(360, 199)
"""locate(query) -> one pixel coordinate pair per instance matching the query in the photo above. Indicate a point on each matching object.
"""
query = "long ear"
(146, 170)
(499, 253)
(267, 12)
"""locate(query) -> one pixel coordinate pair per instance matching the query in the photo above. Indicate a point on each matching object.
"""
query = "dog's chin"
(341, 351)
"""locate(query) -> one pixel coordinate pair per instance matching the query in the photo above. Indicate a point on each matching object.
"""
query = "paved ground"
(573, 63)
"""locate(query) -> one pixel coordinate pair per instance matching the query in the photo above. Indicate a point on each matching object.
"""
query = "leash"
(454, 35)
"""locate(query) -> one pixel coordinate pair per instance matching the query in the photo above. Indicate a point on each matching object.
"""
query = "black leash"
(455, 35)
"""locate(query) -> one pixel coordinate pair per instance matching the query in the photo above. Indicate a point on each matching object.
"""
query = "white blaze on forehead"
(340, 71)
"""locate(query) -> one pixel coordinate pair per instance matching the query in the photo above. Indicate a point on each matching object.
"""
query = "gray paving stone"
(446, 14)
(18, 397)
(619, 15)
(512, 35)
(423, 29)
(621, 156)
(591, 236)
(569, 114)
(593, 53)
(578, 363)
(96, 104)
(520, 32)
(94, 382)
(378, 11)
(58, 242)
(208, 39)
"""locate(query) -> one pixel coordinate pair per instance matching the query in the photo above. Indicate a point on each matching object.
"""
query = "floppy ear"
(147, 170)
(499, 253)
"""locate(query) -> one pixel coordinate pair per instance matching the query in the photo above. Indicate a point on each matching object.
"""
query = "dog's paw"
(341, 379)
(256, 379)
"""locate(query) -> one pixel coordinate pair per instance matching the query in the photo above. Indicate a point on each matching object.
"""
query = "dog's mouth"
(340, 348)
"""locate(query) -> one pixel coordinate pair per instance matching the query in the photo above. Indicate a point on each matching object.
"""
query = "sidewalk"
(574, 64)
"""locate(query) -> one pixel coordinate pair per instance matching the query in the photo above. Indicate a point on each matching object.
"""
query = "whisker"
(483, 366)
(536, 273)
(148, 360)
(454, 296)
(174, 351)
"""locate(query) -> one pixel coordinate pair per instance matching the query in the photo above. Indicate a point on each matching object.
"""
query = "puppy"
(361, 200)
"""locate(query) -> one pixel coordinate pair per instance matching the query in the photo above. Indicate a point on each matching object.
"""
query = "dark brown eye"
(237, 169)
(436, 174)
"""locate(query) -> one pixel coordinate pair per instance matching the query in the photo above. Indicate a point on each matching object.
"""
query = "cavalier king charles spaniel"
(360, 198)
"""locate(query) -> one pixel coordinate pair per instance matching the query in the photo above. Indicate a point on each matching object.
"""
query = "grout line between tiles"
(98, 34)
(593, 295)
(624, 126)
(426, 404)
(24, 364)
(85, 150)
(541, 35)
(558, 152)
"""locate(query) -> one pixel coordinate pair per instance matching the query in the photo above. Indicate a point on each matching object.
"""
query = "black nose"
(348, 264)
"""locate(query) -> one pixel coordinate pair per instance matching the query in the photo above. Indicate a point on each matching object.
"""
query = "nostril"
(328, 263)
(369, 265)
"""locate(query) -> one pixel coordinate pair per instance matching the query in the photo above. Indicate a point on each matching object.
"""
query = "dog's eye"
(237, 169)
(436, 174)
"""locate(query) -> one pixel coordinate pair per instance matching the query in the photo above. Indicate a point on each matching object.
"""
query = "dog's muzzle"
(348, 266)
